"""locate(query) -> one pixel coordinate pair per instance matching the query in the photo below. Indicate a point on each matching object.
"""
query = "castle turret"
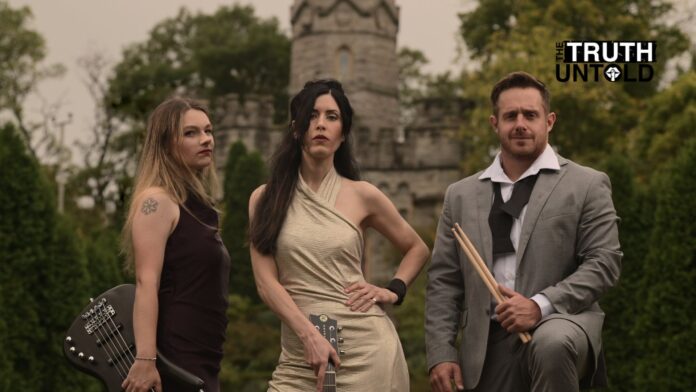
(353, 41)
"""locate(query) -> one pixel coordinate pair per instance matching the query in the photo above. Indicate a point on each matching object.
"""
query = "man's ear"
(550, 120)
(493, 120)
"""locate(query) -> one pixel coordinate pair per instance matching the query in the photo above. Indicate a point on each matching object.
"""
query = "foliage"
(623, 302)
(493, 25)
(669, 282)
(668, 121)
(102, 165)
(410, 317)
(43, 278)
(410, 322)
(593, 117)
(22, 51)
(244, 172)
(412, 80)
(252, 346)
(206, 56)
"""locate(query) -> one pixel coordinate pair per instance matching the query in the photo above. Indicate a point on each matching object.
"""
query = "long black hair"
(285, 163)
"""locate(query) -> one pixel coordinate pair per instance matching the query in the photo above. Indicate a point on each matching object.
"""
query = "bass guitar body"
(100, 342)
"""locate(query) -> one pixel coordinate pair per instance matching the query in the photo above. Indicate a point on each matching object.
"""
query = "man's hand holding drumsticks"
(516, 313)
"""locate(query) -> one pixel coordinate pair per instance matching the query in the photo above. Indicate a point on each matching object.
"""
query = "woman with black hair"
(306, 236)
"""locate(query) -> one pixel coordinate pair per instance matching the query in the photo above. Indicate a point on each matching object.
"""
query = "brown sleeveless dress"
(193, 295)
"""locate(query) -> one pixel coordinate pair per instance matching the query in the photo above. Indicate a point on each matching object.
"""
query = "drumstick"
(483, 271)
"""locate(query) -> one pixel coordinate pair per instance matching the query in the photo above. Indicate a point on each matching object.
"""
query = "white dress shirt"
(505, 266)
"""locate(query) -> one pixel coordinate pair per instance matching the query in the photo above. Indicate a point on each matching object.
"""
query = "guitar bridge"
(98, 315)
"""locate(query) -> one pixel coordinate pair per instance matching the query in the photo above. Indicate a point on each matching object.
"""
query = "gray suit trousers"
(556, 358)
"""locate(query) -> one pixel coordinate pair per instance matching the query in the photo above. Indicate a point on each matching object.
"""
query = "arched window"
(344, 65)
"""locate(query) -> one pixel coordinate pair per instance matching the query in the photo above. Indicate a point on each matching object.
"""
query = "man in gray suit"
(547, 229)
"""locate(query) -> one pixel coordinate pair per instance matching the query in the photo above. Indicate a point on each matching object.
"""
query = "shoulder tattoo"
(149, 206)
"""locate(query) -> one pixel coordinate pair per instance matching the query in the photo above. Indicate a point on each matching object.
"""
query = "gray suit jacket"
(568, 250)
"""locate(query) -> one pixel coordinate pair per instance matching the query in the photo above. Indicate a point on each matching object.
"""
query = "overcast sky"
(74, 28)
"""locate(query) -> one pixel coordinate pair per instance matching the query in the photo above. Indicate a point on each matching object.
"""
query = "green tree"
(668, 121)
(207, 56)
(22, 51)
(410, 321)
(593, 117)
(492, 26)
(621, 304)
(665, 127)
(669, 282)
(42, 276)
(244, 172)
(229, 54)
(252, 347)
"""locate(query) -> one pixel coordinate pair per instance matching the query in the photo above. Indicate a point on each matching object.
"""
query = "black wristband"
(398, 287)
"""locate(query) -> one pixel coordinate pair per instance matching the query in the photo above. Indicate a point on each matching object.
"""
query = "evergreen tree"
(244, 172)
(65, 290)
(621, 304)
(25, 229)
(668, 295)
(104, 260)
(42, 277)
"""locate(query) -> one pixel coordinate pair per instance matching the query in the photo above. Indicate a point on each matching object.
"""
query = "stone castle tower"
(354, 41)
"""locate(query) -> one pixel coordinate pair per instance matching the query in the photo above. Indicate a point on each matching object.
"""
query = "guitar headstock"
(327, 327)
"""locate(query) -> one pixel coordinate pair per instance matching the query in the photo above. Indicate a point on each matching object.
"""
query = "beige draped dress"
(319, 254)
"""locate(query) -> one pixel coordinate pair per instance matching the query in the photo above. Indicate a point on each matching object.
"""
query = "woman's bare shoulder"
(367, 192)
(153, 197)
(256, 194)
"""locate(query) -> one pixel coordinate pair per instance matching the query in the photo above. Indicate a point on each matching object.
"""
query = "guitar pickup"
(119, 356)
(108, 336)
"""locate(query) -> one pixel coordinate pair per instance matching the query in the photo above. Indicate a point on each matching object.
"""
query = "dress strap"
(330, 185)
(328, 189)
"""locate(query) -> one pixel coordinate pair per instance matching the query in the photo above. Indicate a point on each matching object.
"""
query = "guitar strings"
(110, 351)
(130, 361)
(125, 349)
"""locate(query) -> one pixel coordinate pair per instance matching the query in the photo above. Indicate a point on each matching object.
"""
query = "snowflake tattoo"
(149, 206)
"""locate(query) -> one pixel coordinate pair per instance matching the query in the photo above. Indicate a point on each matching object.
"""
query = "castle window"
(344, 59)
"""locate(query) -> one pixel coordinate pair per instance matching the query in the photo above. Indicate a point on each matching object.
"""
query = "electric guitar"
(329, 329)
(100, 342)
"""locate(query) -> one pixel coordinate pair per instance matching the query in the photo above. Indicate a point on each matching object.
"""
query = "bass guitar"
(329, 329)
(100, 342)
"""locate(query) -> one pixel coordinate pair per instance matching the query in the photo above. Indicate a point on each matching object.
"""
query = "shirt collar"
(547, 160)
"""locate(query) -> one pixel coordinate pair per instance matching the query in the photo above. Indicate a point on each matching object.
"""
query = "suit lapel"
(545, 184)
(484, 198)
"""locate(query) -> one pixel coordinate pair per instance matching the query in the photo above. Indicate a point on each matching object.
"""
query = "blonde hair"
(161, 165)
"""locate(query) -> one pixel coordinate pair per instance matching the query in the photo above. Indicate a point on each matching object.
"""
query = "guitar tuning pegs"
(340, 340)
(340, 328)
(81, 356)
(90, 359)
(69, 341)
(341, 352)
(72, 350)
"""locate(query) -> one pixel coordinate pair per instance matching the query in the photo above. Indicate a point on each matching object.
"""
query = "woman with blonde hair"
(171, 240)
(306, 235)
